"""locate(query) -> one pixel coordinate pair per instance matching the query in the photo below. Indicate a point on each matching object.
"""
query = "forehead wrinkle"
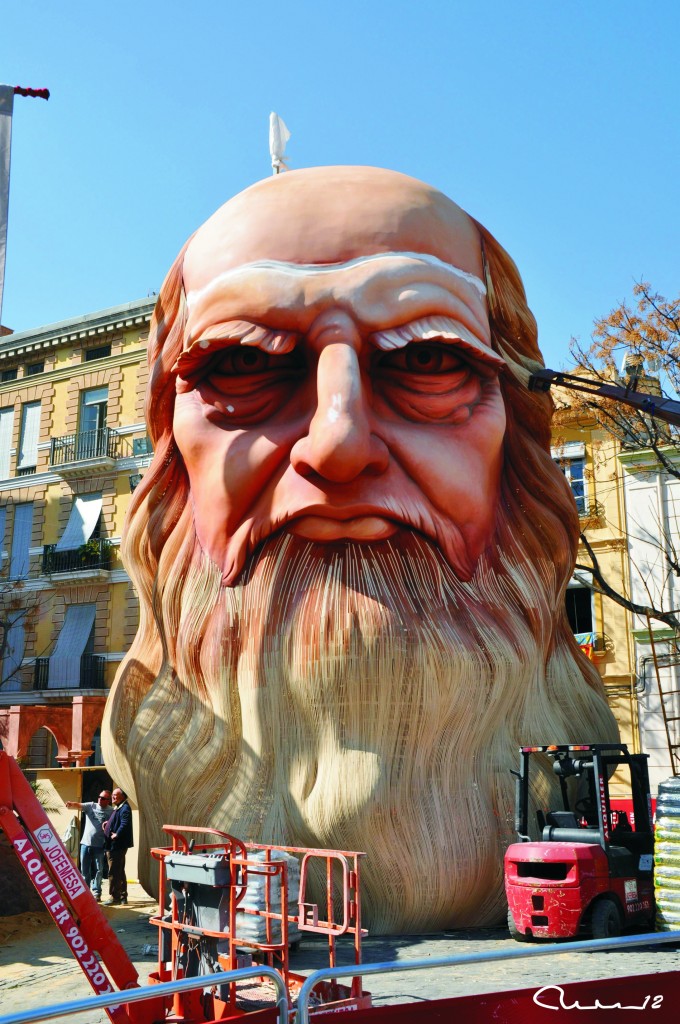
(299, 269)
(269, 293)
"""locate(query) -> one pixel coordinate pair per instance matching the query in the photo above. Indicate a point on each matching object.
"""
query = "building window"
(42, 750)
(92, 433)
(21, 540)
(96, 758)
(9, 375)
(101, 352)
(6, 428)
(574, 470)
(28, 441)
(75, 639)
(84, 523)
(33, 368)
(93, 404)
(571, 458)
(14, 651)
(579, 603)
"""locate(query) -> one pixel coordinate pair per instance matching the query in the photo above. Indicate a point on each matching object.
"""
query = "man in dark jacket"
(119, 840)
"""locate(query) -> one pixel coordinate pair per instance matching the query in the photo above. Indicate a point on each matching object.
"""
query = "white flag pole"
(6, 108)
(278, 137)
(7, 93)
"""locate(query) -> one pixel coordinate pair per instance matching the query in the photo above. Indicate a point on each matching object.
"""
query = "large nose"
(340, 445)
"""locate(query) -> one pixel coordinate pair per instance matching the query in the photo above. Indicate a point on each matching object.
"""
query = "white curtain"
(21, 540)
(6, 427)
(30, 430)
(82, 521)
(6, 108)
(70, 645)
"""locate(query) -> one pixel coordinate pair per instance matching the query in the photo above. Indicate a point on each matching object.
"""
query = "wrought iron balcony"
(589, 509)
(95, 554)
(92, 673)
(87, 451)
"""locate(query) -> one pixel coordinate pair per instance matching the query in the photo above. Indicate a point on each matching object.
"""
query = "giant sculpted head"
(352, 545)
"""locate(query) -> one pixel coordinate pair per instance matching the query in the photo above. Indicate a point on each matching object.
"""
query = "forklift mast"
(593, 762)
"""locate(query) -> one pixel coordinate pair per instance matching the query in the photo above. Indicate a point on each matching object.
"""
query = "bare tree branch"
(601, 586)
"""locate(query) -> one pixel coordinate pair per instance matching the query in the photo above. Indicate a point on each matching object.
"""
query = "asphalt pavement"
(36, 968)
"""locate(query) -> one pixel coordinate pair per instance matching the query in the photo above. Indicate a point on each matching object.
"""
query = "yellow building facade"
(589, 458)
(73, 445)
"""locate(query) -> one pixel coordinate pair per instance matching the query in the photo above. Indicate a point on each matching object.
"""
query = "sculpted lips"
(324, 523)
(320, 528)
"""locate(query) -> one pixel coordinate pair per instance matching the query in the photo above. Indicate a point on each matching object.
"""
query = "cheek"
(214, 475)
(227, 469)
(457, 468)
(474, 477)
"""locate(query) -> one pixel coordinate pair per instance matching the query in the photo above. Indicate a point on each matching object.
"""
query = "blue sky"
(556, 125)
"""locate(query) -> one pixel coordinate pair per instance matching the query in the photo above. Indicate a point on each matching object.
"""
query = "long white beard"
(361, 699)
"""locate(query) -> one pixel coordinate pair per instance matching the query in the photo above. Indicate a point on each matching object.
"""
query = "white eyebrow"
(302, 269)
(433, 328)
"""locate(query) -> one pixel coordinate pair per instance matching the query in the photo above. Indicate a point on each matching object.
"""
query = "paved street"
(36, 969)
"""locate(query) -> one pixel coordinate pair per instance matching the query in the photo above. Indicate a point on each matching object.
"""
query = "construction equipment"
(62, 889)
(652, 405)
(590, 867)
(205, 906)
(214, 923)
(207, 885)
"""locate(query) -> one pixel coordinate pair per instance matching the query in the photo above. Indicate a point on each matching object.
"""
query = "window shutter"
(70, 645)
(6, 426)
(14, 654)
(21, 540)
(30, 430)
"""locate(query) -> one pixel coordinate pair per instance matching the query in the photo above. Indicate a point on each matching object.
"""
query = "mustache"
(402, 579)
(426, 523)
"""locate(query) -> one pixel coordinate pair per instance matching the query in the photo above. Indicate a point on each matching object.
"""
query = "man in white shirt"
(92, 844)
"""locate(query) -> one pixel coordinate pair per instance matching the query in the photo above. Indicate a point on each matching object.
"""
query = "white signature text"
(552, 997)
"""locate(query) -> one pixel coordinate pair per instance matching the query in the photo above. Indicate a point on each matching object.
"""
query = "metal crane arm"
(653, 405)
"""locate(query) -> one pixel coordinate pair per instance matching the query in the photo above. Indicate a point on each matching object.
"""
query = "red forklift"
(582, 866)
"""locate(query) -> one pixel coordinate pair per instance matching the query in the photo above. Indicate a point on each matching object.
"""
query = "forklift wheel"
(605, 920)
(515, 933)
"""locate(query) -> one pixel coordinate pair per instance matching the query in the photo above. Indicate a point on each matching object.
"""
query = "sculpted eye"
(422, 358)
(246, 385)
(428, 382)
(241, 359)
(250, 359)
(245, 361)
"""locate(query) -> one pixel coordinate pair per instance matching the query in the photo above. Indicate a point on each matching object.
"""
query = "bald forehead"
(330, 215)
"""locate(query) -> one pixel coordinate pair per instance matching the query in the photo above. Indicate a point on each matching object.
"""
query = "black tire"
(515, 933)
(605, 921)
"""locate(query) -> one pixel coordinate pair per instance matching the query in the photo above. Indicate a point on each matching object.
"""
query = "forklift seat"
(562, 819)
(556, 834)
